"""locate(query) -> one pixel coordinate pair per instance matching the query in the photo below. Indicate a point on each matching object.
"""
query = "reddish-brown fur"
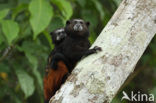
(54, 79)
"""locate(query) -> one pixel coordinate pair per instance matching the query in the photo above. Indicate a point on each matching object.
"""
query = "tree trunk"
(97, 78)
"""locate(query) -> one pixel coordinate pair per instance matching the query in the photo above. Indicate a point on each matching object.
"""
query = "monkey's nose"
(78, 27)
(61, 34)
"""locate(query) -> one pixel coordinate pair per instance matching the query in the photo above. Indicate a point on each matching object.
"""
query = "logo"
(138, 97)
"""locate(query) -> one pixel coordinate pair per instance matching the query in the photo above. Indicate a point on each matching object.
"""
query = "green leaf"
(81, 2)
(18, 9)
(1, 38)
(3, 13)
(146, 58)
(90, 16)
(48, 37)
(65, 7)
(25, 29)
(38, 77)
(26, 45)
(57, 22)
(23, 1)
(26, 82)
(3, 47)
(117, 2)
(10, 29)
(92, 37)
(4, 68)
(33, 60)
(41, 14)
(99, 8)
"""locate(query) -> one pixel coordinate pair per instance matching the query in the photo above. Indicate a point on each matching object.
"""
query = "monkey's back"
(54, 79)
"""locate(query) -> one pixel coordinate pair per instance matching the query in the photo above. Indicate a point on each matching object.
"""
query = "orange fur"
(53, 80)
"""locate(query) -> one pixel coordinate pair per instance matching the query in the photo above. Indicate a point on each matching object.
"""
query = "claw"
(97, 48)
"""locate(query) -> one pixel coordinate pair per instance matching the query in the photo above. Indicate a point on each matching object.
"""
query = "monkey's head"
(58, 35)
(77, 28)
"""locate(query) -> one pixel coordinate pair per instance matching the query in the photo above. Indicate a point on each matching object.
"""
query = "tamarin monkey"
(57, 37)
(65, 55)
(55, 77)
(76, 44)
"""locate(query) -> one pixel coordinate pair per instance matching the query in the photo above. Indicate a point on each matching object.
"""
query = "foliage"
(25, 42)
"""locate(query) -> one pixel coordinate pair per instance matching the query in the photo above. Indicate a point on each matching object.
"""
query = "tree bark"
(97, 78)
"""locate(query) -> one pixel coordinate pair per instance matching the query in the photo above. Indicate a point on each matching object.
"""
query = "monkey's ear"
(87, 23)
(67, 22)
(51, 33)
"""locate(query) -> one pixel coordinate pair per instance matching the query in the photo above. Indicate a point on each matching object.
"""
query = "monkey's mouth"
(61, 36)
(58, 38)
(78, 27)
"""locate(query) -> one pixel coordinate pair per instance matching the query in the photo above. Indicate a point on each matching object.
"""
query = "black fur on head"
(77, 28)
(58, 35)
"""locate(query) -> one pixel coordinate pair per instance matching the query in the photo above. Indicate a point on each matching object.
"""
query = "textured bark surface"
(97, 78)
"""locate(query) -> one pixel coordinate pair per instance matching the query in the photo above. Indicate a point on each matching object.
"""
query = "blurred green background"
(25, 44)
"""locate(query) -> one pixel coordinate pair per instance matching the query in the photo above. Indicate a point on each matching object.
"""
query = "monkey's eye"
(87, 23)
(68, 22)
(81, 22)
(75, 22)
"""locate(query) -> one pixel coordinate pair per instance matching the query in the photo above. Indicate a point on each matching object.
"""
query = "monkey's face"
(77, 27)
(58, 35)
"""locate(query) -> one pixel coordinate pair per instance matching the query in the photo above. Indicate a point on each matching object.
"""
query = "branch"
(5, 53)
(97, 78)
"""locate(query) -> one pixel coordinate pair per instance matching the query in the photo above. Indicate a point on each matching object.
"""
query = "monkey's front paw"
(97, 49)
